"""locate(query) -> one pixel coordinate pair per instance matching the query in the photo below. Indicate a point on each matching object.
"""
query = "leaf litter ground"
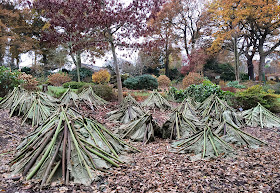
(156, 169)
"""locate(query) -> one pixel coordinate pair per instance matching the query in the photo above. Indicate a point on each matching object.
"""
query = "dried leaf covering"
(13, 97)
(214, 106)
(35, 107)
(214, 140)
(155, 100)
(129, 110)
(91, 99)
(125, 114)
(188, 107)
(128, 101)
(260, 116)
(67, 148)
(178, 126)
(143, 129)
(68, 97)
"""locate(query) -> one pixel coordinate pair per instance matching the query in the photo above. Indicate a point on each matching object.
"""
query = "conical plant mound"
(68, 97)
(143, 129)
(91, 98)
(12, 98)
(34, 106)
(260, 116)
(180, 124)
(155, 100)
(188, 109)
(126, 114)
(214, 140)
(231, 133)
(128, 101)
(38, 108)
(214, 106)
(67, 148)
(204, 143)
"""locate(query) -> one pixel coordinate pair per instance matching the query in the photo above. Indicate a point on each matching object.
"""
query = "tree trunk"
(261, 68)
(185, 41)
(119, 81)
(35, 58)
(76, 61)
(236, 59)
(250, 68)
(79, 60)
(45, 60)
(166, 64)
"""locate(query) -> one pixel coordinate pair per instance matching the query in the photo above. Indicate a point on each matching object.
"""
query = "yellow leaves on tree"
(58, 79)
(192, 78)
(101, 77)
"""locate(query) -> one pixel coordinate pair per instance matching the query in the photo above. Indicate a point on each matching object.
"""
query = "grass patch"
(57, 91)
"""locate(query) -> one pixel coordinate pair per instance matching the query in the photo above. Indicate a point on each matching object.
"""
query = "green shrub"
(131, 83)
(74, 85)
(145, 81)
(250, 97)
(8, 80)
(244, 76)
(27, 70)
(275, 87)
(103, 91)
(235, 84)
(177, 94)
(200, 92)
(212, 69)
(85, 74)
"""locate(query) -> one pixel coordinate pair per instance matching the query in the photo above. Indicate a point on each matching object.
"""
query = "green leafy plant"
(74, 85)
(250, 98)
(145, 81)
(8, 80)
(235, 84)
(199, 92)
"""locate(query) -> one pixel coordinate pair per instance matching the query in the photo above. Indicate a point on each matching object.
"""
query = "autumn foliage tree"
(162, 34)
(257, 22)
(16, 31)
(195, 61)
(101, 77)
(93, 24)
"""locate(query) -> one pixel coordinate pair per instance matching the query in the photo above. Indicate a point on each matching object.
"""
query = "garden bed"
(155, 169)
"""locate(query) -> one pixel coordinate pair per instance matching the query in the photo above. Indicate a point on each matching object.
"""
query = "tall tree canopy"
(16, 31)
(96, 24)
(257, 22)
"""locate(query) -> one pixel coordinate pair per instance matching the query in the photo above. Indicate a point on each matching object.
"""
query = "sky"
(28, 58)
